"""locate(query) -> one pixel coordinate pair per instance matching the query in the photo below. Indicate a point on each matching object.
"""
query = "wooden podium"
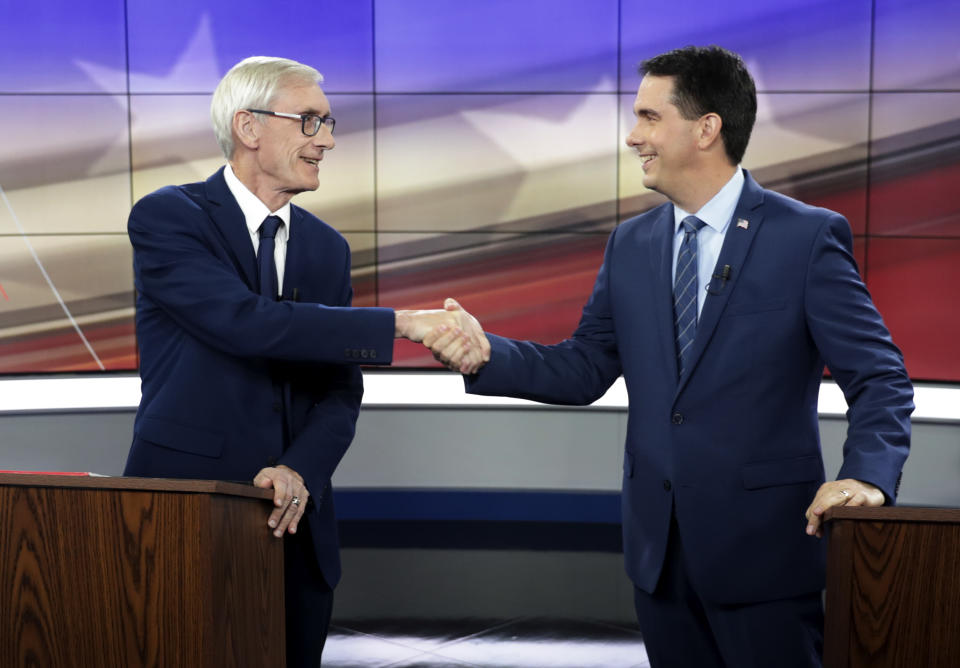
(138, 572)
(893, 588)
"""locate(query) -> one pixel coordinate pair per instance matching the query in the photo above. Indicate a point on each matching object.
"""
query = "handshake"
(453, 336)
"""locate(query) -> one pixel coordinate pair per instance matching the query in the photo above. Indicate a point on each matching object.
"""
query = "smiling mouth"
(646, 160)
(312, 161)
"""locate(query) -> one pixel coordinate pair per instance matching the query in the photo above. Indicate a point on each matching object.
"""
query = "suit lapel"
(661, 258)
(228, 217)
(743, 228)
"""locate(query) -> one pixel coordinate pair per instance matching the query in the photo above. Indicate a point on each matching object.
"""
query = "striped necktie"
(685, 291)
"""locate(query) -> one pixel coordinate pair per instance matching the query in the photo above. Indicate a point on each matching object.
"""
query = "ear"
(246, 129)
(709, 130)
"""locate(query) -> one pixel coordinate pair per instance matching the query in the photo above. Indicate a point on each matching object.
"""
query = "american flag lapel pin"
(743, 223)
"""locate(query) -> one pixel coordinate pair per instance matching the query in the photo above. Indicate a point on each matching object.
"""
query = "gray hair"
(252, 84)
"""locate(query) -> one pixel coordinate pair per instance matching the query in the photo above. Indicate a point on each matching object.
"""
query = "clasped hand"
(454, 336)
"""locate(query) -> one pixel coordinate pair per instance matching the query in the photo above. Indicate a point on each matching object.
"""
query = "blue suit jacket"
(215, 356)
(733, 447)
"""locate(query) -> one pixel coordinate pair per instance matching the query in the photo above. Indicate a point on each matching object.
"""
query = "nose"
(324, 139)
(633, 139)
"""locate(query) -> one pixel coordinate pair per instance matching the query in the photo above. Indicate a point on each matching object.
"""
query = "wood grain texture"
(903, 593)
(147, 484)
(894, 513)
(247, 580)
(839, 579)
(122, 577)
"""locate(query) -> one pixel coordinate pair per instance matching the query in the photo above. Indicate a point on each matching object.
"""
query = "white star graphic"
(557, 161)
(194, 70)
(534, 142)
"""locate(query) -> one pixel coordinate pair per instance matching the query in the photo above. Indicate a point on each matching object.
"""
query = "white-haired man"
(249, 346)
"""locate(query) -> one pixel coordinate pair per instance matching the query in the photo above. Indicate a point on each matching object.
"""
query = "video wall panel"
(789, 45)
(479, 150)
(58, 179)
(525, 286)
(916, 165)
(523, 163)
(45, 46)
(916, 45)
(496, 46)
(80, 312)
(913, 281)
(185, 46)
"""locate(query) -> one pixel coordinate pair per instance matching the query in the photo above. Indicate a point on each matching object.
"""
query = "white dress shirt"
(717, 214)
(255, 212)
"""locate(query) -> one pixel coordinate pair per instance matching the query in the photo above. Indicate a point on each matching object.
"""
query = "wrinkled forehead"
(300, 97)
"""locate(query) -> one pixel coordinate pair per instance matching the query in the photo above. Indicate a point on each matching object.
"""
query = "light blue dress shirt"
(717, 214)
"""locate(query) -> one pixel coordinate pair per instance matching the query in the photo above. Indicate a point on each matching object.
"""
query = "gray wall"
(481, 448)
(506, 448)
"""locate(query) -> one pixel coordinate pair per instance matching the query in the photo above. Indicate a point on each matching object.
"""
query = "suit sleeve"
(868, 367)
(177, 267)
(317, 449)
(577, 371)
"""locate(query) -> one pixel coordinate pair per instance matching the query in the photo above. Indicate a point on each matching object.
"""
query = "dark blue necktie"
(266, 264)
(267, 270)
(685, 291)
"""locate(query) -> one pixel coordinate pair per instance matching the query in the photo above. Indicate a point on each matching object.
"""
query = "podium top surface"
(893, 514)
(135, 484)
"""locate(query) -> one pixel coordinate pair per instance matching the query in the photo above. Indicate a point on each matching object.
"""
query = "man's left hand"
(289, 496)
(846, 492)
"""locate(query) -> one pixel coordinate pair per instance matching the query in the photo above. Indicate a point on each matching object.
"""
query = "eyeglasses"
(309, 123)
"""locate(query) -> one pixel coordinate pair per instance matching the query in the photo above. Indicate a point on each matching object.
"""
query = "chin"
(308, 185)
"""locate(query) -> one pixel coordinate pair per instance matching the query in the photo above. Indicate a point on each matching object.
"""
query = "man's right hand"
(464, 345)
(462, 348)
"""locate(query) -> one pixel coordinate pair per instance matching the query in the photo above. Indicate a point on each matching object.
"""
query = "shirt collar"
(718, 212)
(254, 211)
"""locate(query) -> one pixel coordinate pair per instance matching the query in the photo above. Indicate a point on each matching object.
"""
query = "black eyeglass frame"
(329, 121)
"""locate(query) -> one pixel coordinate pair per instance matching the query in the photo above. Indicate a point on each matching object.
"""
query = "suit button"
(346, 353)
(667, 486)
(373, 353)
(364, 354)
(677, 418)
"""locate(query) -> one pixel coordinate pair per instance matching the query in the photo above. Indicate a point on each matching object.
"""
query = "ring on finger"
(846, 494)
(295, 501)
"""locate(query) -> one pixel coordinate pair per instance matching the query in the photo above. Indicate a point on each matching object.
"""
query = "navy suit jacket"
(733, 447)
(216, 358)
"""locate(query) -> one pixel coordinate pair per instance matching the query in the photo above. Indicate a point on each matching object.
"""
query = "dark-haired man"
(720, 309)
